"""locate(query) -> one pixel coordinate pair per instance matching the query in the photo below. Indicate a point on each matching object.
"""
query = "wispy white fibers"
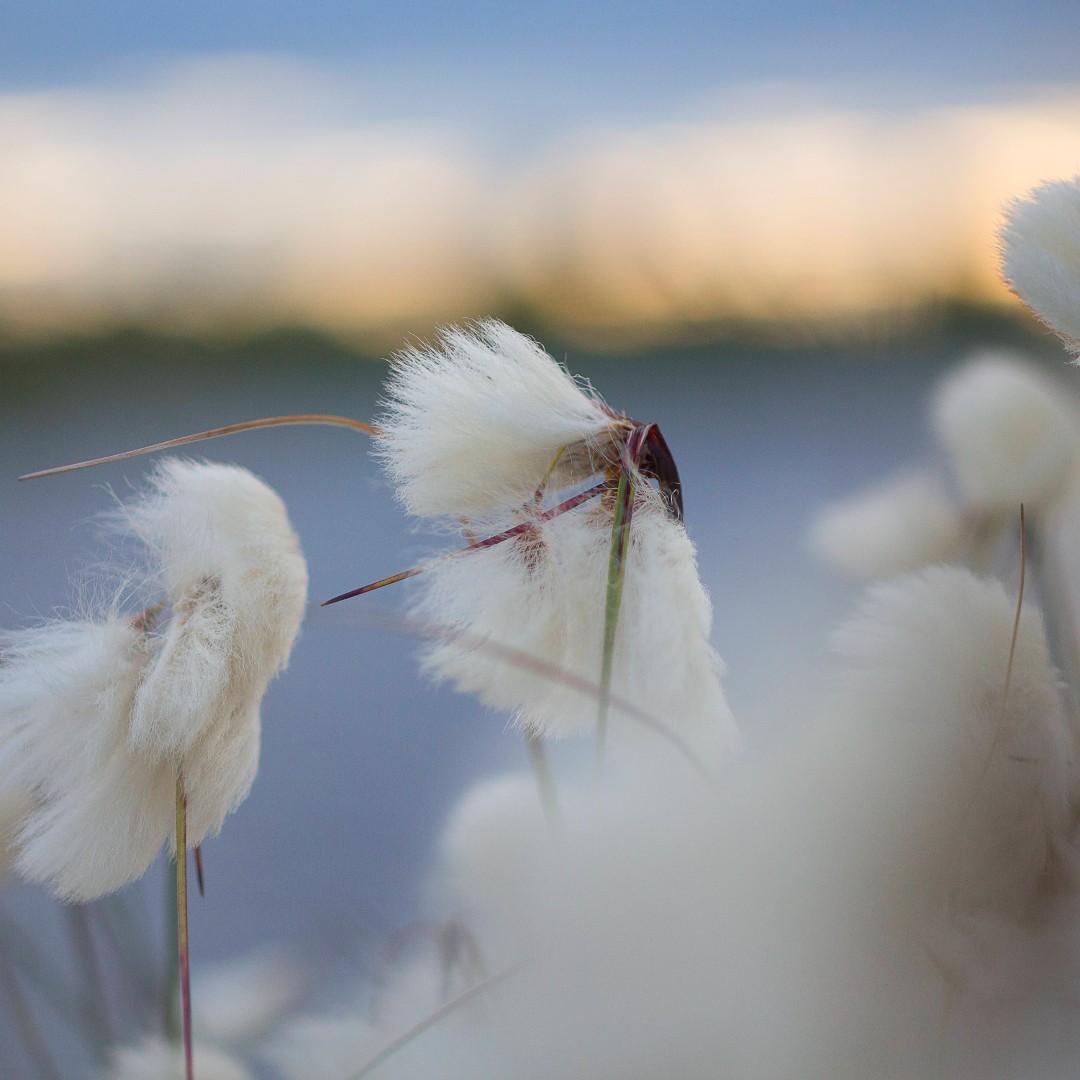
(98, 717)
(903, 524)
(544, 595)
(990, 780)
(474, 425)
(1040, 255)
(156, 1059)
(1010, 434)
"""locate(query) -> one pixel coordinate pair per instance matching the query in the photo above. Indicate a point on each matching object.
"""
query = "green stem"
(171, 997)
(620, 542)
(182, 924)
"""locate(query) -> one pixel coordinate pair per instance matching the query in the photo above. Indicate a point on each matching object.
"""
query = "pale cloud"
(242, 193)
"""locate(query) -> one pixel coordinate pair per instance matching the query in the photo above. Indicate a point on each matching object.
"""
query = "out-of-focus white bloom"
(1010, 436)
(544, 594)
(239, 1001)
(474, 426)
(97, 718)
(156, 1059)
(897, 527)
(988, 781)
(495, 837)
(1040, 259)
(325, 1047)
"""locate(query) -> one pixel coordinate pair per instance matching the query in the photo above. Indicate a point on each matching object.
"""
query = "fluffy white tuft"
(544, 596)
(894, 528)
(1040, 255)
(1011, 437)
(156, 1059)
(990, 780)
(474, 425)
(102, 809)
(98, 717)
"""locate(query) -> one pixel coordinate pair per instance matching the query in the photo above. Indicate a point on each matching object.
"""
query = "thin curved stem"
(213, 433)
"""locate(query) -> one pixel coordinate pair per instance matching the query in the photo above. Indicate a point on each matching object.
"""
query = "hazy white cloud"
(244, 192)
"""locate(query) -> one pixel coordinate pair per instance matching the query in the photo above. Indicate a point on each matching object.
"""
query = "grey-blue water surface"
(362, 758)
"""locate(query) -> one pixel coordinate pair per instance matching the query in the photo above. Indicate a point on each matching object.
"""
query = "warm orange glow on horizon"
(121, 211)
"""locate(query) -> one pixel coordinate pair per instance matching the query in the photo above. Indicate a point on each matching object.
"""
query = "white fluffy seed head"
(98, 717)
(1010, 432)
(980, 819)
(544, 596)
(1040, 255)
(895, 528)
(156, 1059)
(235, 580)
(101, 809)
(473, 426)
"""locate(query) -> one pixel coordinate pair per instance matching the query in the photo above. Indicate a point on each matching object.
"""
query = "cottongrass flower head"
(489, 428)
(894, 528)
(475, 426)
(99, 717)
(1010, 436)
(1040, 255)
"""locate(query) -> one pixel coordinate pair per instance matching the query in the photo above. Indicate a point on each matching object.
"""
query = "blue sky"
(588, 57)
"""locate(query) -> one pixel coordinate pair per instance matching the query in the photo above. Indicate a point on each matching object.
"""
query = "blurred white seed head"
(156, 1059)
(1011, 434)
(1040, 255)
(981, 820)
(496, 838)
(97, 717)
(473, 426)
(325, 1047)
(894, 528)
(236, 1002)
(544, 595)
